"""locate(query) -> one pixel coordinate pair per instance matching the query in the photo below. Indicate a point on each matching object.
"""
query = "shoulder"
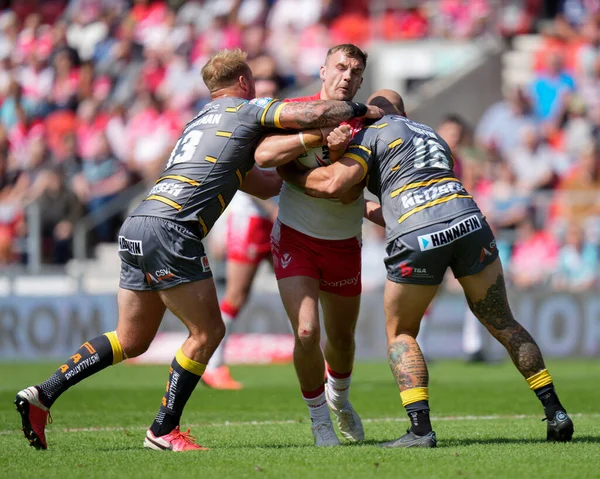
(316, 96)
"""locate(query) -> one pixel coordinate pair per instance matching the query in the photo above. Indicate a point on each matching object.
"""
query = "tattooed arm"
(315, 114)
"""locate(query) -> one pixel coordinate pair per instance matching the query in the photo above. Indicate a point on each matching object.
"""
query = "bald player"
(432, 223)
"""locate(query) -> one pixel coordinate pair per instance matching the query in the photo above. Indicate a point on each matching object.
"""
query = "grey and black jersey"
(409, 168)
(210, 161)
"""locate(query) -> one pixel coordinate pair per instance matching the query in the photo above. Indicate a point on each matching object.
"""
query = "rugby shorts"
(335, 263)
(158, 254)
(465, 244)
(248, 238)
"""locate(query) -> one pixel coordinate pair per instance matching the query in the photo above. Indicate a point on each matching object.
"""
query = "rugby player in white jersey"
(316, 246)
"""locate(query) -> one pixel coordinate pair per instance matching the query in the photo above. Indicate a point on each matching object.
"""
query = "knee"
(394, 334)
(308, 337)
(133, 346)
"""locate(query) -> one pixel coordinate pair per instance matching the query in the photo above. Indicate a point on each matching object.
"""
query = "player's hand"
(339, 137)
(374, 112)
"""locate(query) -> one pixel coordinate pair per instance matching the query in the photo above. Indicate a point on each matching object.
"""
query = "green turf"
(124, 399)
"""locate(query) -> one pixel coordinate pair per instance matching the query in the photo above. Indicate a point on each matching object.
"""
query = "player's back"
(208, 164)
(411, 173)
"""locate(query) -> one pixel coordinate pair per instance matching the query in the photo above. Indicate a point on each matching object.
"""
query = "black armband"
(358, 109)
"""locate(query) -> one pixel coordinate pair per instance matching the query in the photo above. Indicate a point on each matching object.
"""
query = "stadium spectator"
(102, 177)
(550, 87)
(59, 210)
(534, 162)
(534, 258)
(578, 197)
(499, 128)
(507, 204)
(577, 269)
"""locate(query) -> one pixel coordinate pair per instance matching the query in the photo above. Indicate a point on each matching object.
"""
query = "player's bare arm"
(262, 184)
(320, 113)
(374, 213)
(329, 181)
(277, 149)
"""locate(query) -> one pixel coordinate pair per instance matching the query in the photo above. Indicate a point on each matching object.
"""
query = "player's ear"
(243, 82)
(322, 72)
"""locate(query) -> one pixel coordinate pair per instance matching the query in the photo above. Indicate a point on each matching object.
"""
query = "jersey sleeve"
(263, 112)
(361, 149)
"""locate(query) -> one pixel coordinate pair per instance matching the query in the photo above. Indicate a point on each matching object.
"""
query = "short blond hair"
(224, 68)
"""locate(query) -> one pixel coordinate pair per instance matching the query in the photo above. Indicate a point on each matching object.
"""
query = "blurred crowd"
(533, 160)
(94, 93)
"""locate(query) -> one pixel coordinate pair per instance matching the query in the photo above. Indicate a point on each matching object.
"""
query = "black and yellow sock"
(184, 375)
(542, 386)
(416, 403)
(91, 357)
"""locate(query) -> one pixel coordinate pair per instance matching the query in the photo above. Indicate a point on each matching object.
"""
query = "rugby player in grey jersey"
(432, 223)
(163, 263)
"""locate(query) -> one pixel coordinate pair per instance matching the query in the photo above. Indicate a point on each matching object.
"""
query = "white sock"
(338, 390)
(218, 357)
(318, 408)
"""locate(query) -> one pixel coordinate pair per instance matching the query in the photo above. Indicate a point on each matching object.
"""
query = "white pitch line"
(291, 421)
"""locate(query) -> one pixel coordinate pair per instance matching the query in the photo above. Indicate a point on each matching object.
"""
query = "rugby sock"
(317, 404)
(338, 387)
(184, 375)
(228, 313)
(416, 403)
(542, 386)
(91, 357)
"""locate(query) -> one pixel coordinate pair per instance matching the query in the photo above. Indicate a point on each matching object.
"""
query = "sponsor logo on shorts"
(286, 259)
(159, 275)
(449, 235)
(133, 247)
(341, 283)
(205, 264)
(485, 252)
(407, 271)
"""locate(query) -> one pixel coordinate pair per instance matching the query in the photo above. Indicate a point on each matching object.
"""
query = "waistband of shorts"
(341, 242)
(189, 227)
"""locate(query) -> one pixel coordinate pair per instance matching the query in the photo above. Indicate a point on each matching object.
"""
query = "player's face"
(342, 77)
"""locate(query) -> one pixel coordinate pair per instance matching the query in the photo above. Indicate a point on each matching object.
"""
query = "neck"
(229, 91)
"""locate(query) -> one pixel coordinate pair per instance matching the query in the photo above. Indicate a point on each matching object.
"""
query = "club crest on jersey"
(449, 235)
(261, 102)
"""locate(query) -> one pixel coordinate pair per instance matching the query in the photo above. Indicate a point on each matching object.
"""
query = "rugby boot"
(410, 439)
(34, 416)
(324, 434)
(560, 427)
(176, 441)
(348, 421)
(220, 378)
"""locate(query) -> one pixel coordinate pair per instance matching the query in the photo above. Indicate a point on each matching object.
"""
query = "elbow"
(264, 159)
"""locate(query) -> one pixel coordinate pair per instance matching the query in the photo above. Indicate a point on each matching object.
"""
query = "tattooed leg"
(486, 295)
(494, 313)
(407, 363)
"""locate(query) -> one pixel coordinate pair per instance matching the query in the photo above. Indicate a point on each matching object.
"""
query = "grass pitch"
(487, 421)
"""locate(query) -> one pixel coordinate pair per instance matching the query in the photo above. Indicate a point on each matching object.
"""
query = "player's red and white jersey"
(317, 217)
